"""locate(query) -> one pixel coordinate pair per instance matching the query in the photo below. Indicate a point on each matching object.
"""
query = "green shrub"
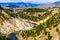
(49, 37)
(57, 29)
(2, 37)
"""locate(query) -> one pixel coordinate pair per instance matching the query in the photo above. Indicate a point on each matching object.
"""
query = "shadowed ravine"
(12, 36)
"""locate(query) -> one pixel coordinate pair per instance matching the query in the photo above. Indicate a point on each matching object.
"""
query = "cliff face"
(9, 24)
(14, 24)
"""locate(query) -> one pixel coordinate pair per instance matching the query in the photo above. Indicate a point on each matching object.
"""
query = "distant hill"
(30, 5)
(20, 5)
(55, 4)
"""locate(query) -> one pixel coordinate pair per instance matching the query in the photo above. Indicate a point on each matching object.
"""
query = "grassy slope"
(51, 26)
(51, 23)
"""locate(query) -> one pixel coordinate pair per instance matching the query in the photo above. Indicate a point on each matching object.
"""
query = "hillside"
(30, 24)
(47, 28)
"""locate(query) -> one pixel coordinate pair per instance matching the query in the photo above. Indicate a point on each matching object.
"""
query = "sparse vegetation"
(57, 29)
(35, 10)
(49, 36)
(2, 37)
(53, 21)
(34, 18)
(8, 11)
